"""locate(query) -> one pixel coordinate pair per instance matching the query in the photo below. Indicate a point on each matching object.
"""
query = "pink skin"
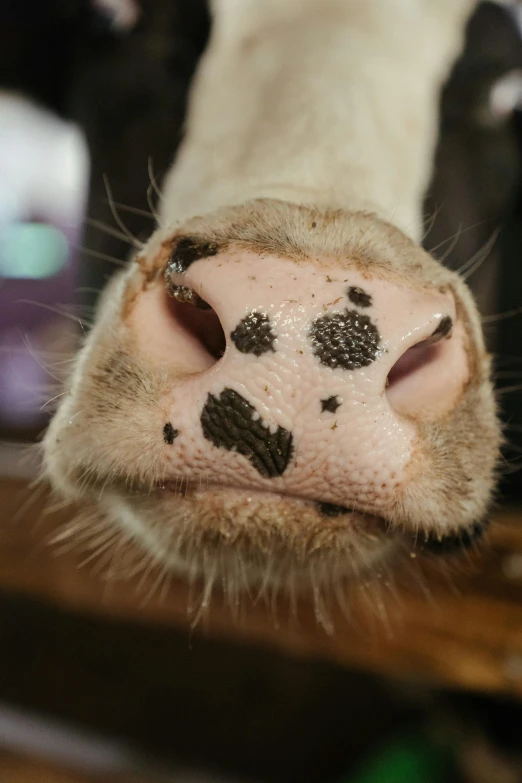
(359, 455)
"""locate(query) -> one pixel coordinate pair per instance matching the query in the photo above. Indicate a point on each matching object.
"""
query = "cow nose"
(298, 377)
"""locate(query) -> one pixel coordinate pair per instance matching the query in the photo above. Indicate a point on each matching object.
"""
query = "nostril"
(422, 354)
(413, 360)
(427, 379)
(197, 318)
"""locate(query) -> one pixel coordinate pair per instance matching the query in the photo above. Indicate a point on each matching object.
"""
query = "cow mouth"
(184, 487)
(268, 536)
(247, 540)
(330, 515)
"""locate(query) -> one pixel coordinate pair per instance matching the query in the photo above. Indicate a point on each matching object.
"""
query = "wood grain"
(461, 628)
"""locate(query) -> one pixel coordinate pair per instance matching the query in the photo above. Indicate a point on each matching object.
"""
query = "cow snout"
(306, 380)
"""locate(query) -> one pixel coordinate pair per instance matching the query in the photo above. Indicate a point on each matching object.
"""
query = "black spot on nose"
(169, 433)
(254, 334)
(359, 296)
(331, 404)
(186, 250)
(349, 340)
(230, 422)
(460, 541)
(331, 510)
(443, 329)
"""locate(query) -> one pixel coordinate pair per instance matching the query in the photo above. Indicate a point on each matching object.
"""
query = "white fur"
(287, 104)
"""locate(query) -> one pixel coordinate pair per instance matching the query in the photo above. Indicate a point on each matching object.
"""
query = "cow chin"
(250, 540)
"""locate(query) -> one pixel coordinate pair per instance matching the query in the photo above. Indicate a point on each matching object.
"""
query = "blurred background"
(99, 686)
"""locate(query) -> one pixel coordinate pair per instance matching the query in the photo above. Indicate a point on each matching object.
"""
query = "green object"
(31, 251)
(408, 760)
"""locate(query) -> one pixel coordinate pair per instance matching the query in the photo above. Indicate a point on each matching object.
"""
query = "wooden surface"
(16, 769)
(463, 629)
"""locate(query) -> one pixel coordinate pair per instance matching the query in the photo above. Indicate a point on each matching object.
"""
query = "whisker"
(56, 397)
(151, 203)
(112, 566)
(507, 389)
(18, 350)
(34, 495)
(511, 469)
(133, 210)
(152, 177)
(431, 222)
(452, 245)
(488, 319)
(165, 588)
(135, 241)
(100, 549)
(476, 260)
(52, 309)
(37, 359)
(104, 567)
(155, 587)
(458, 234)
(113, 232)
(54, 507)
(102, 256)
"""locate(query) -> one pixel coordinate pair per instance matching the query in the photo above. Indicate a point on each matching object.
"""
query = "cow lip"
(187, 488)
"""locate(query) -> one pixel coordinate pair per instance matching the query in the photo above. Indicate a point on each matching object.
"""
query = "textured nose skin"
(321, 379)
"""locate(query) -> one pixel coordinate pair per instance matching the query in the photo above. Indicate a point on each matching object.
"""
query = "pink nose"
(304, 379)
